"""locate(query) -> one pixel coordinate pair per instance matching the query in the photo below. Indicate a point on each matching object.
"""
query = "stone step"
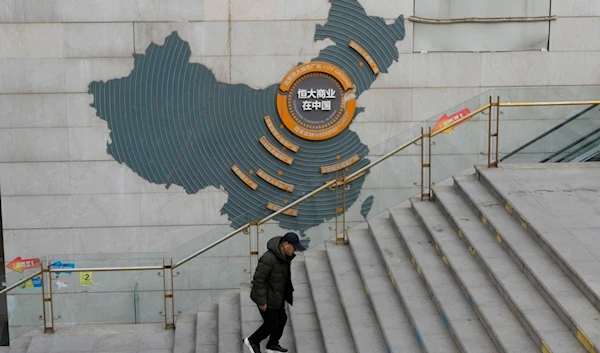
(525, 301)
(565, 249)
(361, 318)
(251, 321)
(468, 333)
(392, 319)
(558, 289)
(229, 322)
(207, 328)
(428, 327)
(332, 319)
(305, 325)
(478, 289)
(185, 333)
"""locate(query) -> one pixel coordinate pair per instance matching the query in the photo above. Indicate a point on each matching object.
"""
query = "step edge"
(517, 311)
(215, 331)
(569, 319)
(290, 315)
(418, 331)
(554, 253)
(237, 307)
(329, 346)
(387, 334)
(467, 292)
(454, 332)
(352, 327)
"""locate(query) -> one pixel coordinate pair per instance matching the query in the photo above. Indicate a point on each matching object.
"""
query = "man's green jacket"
(272, 283)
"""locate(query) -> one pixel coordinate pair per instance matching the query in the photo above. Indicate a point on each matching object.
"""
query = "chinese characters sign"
(446, 120)
(19, 264)
(321, 98)
(314, 101)
(368, 58)
(279, 137)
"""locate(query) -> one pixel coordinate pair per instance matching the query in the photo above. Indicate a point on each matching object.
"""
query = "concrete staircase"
(485, 267)
(466, 273)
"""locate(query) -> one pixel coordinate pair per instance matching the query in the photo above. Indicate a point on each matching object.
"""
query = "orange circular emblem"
(316, 101)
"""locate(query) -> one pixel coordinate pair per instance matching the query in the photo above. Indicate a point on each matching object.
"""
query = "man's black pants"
(275, 320)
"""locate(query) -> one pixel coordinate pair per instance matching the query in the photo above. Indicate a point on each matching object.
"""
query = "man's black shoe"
(275, 349)
(253, 347)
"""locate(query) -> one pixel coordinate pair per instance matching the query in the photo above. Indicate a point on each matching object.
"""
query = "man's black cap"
(293, 239)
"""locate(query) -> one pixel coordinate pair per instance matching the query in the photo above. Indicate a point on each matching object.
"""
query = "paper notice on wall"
(19, 264)
(85, 278)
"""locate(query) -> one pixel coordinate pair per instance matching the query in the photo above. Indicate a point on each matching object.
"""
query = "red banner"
(19, 264)
(446, 120)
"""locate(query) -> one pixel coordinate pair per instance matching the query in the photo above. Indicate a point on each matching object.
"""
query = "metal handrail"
(297, 202)
(212, 245)
(326, 186)
(332, 182)
(546, 104)
(20, 282)
(574, 143)
(576, 116)
(168, 268)
(81, 269)
(371, 165)
(107, 269)
(466, 117)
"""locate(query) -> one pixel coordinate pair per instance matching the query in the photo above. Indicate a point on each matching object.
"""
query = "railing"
(573, 120)
(167, 270)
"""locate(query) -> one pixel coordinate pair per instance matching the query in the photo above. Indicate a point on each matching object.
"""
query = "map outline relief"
(173, 122)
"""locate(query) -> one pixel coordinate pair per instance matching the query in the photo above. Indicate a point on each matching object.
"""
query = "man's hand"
(263, 307)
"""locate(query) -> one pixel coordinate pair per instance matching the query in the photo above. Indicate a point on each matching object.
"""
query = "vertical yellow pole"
(489, 153)
(429, 193)
(422, 163)
(497, 132)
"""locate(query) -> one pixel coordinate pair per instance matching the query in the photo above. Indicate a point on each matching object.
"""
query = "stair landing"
(150, 338)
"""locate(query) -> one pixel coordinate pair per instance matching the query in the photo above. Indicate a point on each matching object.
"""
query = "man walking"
(271, 288)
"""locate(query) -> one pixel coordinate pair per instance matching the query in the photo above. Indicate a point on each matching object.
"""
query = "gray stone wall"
(63, 194)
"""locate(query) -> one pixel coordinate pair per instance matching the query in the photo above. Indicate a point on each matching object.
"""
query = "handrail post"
(430, 183)
(340, 206)
(168, 291)
(425, 163)
(253, 241)
(336, 208)
(489, 144)
(422, 164)
(344, 228)
(497, 132)
(247, 232)
(492, 134)
(47, 305)
(173, 275)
